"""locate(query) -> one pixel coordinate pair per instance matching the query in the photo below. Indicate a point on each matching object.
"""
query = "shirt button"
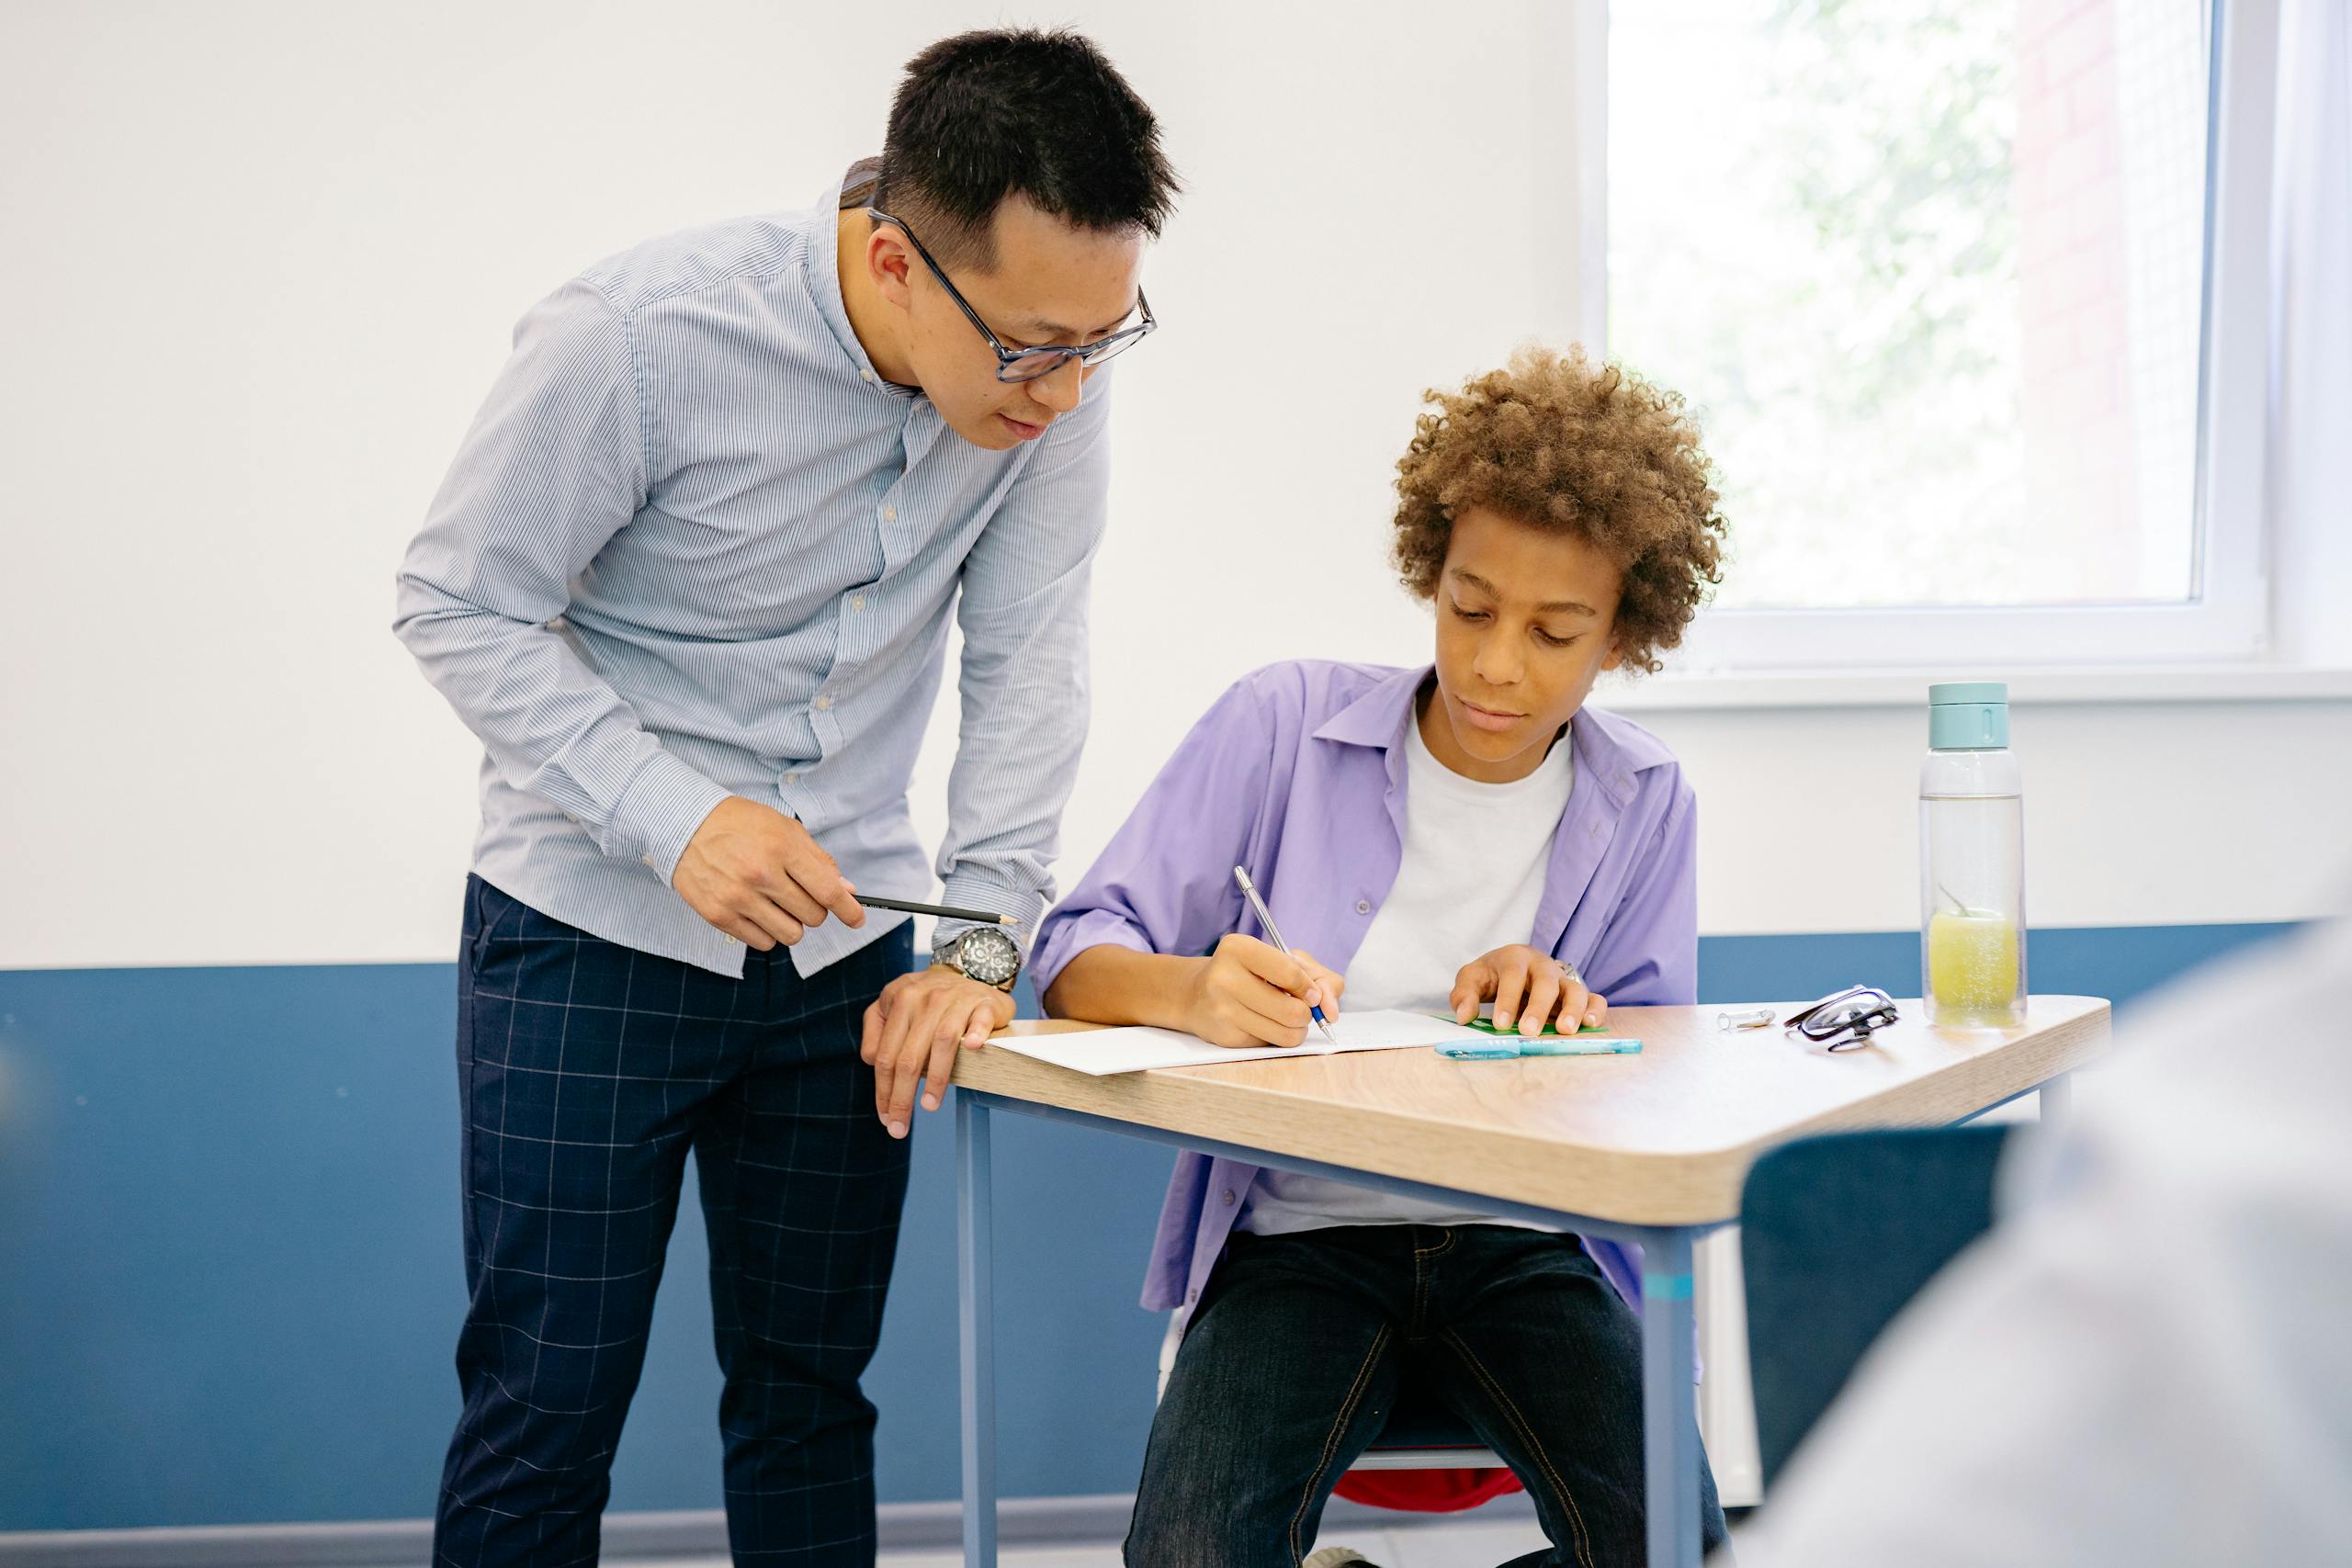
(647, 861)
(889, 514)
(792, 777)
(824, 703)
(857, 601)
(867, 375)
(1364, 905)
(1228, 1197)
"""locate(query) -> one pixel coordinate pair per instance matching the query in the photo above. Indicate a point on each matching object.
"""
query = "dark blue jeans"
(586, 1072)
(1294, 1361)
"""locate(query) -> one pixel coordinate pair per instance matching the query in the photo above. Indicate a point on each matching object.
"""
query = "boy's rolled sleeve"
(1164, 883)
(1649, 955)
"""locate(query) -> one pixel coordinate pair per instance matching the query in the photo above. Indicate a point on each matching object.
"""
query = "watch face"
(987, 956)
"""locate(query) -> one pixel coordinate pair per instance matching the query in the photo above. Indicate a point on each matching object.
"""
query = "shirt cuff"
(659, 812)
(969, 892)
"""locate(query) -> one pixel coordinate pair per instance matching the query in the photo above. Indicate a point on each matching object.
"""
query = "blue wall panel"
(229, 1273)
(2118, 963)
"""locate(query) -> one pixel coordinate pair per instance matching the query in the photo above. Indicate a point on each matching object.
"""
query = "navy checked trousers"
(586, 1070)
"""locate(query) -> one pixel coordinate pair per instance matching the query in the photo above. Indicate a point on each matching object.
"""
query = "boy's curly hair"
(1560, 443)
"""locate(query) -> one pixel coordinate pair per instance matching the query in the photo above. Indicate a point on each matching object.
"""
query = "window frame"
(2229, 617)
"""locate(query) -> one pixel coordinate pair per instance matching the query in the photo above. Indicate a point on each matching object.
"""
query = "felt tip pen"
(1547, 1047)
(1478, 1050)
(1501, 1050)
(1266, 919)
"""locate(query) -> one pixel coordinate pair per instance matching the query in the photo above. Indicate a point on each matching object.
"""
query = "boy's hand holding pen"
(1249, 993)
(1301, 981)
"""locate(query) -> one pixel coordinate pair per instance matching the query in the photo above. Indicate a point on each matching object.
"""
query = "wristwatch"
(983, 952)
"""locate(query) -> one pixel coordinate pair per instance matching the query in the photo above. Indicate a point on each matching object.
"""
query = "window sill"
(1714, 691)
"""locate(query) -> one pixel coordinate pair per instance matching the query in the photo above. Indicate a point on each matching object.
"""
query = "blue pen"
(1249, 891)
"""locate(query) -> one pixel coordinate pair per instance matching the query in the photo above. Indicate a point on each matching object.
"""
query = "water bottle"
(1971, 861)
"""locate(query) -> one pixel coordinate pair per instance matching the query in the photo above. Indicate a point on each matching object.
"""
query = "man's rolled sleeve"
(1023, 684)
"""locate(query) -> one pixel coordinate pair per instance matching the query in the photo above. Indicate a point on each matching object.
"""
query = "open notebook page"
(1134, 1047)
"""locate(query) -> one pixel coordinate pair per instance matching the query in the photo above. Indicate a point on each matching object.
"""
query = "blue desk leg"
(974, 1330)
(2058, 1098)
(1669, 1401)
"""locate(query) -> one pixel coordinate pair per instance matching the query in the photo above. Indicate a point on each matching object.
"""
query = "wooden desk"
(1649, 1149)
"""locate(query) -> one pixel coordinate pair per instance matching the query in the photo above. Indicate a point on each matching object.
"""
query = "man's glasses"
(1029, 363)
(1844, 1020)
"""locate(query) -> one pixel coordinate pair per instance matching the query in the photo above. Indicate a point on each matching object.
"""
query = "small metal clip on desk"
(1649, 1149)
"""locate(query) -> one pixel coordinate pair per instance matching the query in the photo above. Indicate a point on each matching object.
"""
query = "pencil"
(945, 911)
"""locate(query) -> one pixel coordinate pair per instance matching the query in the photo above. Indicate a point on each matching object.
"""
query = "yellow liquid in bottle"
(1972, 966)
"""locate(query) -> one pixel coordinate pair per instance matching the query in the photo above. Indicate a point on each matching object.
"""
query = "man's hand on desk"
(912, 1031)
(1250, 993)
(1531, 985)
(756, 874)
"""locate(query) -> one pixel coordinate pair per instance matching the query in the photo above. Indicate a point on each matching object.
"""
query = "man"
(2144, 1362)
(689, 580)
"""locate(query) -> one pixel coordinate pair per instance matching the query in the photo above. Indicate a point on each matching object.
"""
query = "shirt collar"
(1609, 749)
(1378, 717)
(820, 257)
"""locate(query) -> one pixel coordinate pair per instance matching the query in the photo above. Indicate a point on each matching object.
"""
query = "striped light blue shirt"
(694, 546)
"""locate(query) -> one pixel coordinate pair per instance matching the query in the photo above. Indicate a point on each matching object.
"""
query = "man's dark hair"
(983, 114)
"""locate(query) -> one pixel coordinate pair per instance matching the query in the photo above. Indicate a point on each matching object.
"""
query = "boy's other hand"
(756, 874)
(1250, 993)
(1530, 988)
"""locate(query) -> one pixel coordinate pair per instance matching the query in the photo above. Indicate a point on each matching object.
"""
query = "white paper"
(1134, 1047)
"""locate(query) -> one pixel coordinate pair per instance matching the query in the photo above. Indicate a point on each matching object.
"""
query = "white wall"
(262, 260)
(2138, 813)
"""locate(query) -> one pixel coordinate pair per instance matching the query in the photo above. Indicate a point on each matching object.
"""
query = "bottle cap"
(1968, 715)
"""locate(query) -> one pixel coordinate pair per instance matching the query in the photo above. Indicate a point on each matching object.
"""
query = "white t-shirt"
(1475, 862)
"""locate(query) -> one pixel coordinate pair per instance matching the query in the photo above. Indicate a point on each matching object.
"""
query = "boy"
(1442, 836)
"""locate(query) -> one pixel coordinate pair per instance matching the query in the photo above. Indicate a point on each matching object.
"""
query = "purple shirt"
(1298, 774)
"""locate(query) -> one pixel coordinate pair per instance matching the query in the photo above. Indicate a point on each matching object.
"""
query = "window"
(1935, 273)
